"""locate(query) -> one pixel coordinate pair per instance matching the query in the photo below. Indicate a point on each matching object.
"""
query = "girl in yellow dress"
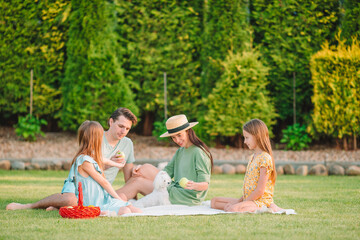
(260, 174)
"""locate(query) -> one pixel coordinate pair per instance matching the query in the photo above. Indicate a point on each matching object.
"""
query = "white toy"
(160, 195)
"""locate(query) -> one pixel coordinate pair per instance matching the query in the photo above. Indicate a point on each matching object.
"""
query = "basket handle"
(80, 203)
(80, 200)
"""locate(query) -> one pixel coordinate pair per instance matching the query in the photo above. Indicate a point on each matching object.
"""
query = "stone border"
(220, 166)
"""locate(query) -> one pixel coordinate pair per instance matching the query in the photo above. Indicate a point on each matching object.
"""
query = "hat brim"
(167, 134)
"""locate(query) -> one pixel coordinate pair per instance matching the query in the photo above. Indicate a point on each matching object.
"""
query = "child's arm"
(260, 189)
(90, 169)
(115, 161)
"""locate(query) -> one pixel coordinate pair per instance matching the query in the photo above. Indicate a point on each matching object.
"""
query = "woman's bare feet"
(18, 206)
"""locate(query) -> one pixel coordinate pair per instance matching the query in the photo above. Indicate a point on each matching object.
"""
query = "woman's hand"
(197, 186)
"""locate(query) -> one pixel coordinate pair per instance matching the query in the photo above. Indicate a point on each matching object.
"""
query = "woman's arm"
(260, 189)
(90, 169)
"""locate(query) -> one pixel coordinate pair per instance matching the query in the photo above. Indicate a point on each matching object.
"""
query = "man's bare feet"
(18, 206)
(51, 208)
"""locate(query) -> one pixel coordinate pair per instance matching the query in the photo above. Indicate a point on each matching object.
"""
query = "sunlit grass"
(327, 208)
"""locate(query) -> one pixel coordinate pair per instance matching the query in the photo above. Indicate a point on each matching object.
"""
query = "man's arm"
(127, 171)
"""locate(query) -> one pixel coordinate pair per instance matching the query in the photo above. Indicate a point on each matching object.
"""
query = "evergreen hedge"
(225, 29)
(90, 57)
(336, 81)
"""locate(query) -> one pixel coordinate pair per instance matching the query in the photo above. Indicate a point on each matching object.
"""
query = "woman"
(192, 160)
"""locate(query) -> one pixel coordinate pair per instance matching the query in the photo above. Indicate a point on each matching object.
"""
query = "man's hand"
(119, 158)
(135, 171)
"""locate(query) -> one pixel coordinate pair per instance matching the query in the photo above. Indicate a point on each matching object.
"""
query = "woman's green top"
(195, 165)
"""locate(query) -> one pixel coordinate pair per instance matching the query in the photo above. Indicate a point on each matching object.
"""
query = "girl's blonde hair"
(259, 130)
(90, 136)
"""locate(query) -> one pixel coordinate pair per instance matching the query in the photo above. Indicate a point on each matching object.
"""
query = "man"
(114, 140)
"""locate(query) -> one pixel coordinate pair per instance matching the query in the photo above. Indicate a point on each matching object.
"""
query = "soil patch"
(63, 145)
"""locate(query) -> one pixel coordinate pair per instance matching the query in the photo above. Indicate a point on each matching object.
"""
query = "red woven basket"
(79, 211)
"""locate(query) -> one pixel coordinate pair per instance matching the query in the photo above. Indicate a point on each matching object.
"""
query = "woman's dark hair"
(123, 112)
(197, 142)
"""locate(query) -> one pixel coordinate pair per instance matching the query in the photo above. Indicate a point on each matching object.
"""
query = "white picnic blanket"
(203, 209)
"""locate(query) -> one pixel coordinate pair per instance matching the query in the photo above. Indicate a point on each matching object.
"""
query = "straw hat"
(177, 124)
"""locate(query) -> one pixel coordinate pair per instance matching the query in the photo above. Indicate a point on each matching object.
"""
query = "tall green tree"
(32, 36)
(94, 84)
(161, 36)
(350, 23)
(288, 32)
(225, 29)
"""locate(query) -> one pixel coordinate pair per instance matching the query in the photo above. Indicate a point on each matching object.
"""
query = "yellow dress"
(252, 176)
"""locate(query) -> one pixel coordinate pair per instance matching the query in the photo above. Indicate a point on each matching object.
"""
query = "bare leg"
(124, 210)
(147, 171)
(136, 185)
(51, 209)
(141, 182)
(56, 200)
(247, 206)
(221, 202)
(123, 197)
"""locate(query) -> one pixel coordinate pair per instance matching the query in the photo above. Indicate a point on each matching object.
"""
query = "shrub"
(296, 137)
(336, 81)
(29, 127)
(160, 128)
(239, 96)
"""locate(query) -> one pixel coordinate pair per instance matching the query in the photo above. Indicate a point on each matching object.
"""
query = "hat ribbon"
(174, 130)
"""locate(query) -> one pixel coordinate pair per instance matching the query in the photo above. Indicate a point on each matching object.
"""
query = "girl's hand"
(231, 204)
(228, 206)
(112, 163)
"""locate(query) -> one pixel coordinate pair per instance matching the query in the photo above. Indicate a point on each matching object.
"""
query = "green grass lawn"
(327, 208)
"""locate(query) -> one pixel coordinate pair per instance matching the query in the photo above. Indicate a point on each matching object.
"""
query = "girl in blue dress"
(88, 168)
